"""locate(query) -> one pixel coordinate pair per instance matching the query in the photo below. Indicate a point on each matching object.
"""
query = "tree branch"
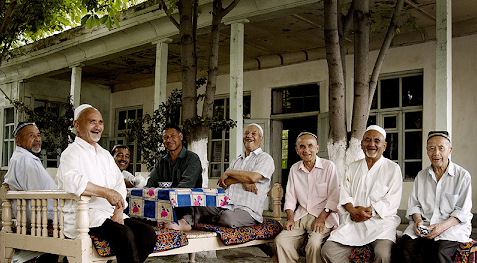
(382, 52)
(229, 8)
(348, 19)
(8, 15)
(172, 19)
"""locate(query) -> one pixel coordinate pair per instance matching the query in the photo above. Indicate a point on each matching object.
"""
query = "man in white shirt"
(88, 169)
(370, 195)
(121, 154)
(439, 206)
(247, 182)
(25, 171)
(313, 185)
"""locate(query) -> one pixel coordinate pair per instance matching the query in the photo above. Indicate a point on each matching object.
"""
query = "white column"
(160, 77)
(75, 90)
(236, 86)
(444, 65)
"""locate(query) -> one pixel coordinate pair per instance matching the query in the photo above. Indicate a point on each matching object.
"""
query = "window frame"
(400, 113)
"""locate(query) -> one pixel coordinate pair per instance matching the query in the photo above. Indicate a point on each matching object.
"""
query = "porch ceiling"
(283, 32)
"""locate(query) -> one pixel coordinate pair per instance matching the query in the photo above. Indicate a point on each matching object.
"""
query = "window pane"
(51, 163)
(411, 169)
(9, 115)
(413, 146)
(312, 90)
(371, 120)
(389, 93)
(215, 170)
(246, 107)
(8, 131)
(390, 122)
(216, 134)
(139, 113)
(216, 151)
(391, 151)
(312, 104)
(122, 120)
(219, 109)
(374, 104)
(132, 114)
(413, 120)
(294, 105)
(227, 154)
(412, 91)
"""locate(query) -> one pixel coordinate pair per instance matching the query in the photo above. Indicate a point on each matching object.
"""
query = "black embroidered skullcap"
(20, 126)
(444, 134)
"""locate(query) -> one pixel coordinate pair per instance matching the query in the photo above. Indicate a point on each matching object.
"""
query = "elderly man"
(247, 181)
(88, 169)
(180, 166)
(121, 154)
(370, 195)
(25, 171)
(439, 206)
(313, 184)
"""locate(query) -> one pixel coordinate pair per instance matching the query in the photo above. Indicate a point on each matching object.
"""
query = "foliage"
(25, 21)
(147, 131)
(55, 124)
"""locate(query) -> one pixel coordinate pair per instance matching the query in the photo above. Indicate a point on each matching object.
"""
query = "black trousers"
(441, 251)
(131, 242)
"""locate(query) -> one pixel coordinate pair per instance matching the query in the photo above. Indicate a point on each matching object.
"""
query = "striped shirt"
(260, 162)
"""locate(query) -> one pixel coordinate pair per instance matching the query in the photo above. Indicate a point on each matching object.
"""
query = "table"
(158, 204)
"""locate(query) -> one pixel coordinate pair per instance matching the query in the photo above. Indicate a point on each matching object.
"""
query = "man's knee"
(382, 250)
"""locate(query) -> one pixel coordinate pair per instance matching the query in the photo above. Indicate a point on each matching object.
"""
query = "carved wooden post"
(83, 228)
(44, 220)
(277, 193)
(55, 218)
(6, 210)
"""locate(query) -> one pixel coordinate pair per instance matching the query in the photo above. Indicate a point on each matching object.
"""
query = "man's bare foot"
(182, 226)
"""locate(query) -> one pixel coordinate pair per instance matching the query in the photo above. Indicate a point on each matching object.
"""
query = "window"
(122, 116)
(302, 98)
(219, 141)
(8, 139)
(397, 107)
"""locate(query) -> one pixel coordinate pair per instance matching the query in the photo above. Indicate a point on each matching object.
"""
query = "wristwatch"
(327, 210)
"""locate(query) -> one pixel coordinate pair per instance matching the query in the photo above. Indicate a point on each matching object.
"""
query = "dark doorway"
(291, 129)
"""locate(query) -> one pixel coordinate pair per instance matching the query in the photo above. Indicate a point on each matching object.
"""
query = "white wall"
(416, 57)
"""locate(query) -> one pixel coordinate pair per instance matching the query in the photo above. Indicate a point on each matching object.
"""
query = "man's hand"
(318, 225)
(416, 230)
(114, 198)
(250, 188)
(118, 215)
(361, 214)
(289, 225)
(222, 179)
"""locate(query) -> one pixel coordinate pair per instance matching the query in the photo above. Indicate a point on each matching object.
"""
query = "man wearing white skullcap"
(370, 195)
(88, 169)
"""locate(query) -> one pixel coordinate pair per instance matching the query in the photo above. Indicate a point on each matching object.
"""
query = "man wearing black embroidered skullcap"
(26, 172)
(439, 206)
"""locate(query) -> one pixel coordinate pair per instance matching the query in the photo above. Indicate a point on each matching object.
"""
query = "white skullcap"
(260, 130)
(81, 108)
(378, 129)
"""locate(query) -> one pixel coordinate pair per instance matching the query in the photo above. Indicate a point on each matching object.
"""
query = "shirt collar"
(85, 144)
(450, 169)
(181, 155)
(256, 152)
(318, 164)
(25, 151)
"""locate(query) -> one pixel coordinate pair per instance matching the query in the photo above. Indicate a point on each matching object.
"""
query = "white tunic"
(26, 172)
(380, 187)
(81, 163)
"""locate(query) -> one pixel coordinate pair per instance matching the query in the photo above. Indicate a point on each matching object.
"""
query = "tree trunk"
(188, 65)
(337, 143)
(198, 144)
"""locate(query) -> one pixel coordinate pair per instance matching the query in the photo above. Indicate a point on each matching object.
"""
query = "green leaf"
(90, 22)
(104, 19)
(85, 19)
(116, 22)
(108, 23)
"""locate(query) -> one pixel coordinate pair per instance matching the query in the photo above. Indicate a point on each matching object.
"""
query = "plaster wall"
(417, 57)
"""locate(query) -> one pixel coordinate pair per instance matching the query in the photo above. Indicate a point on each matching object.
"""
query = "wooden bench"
(81, 249)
